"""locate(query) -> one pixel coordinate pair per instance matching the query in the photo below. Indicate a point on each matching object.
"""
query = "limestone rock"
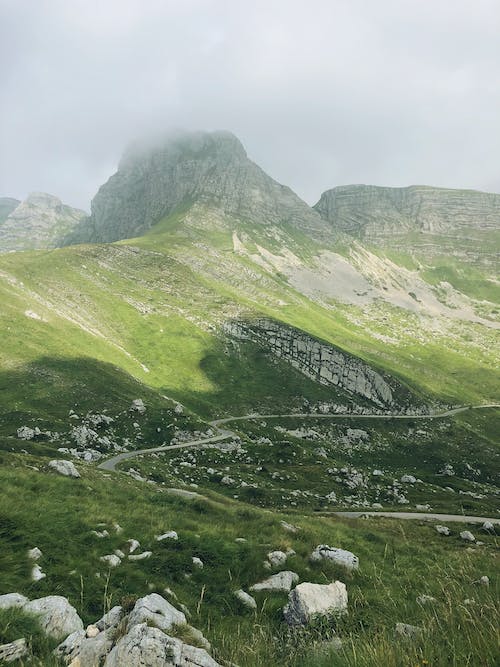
(308, 601)
(141, 556)
(245, 599)
(15, 650)
(488, 527)
(35, 553)
(36, 573)
(63, 467)
(408, 479)
(56, 616)
(338, 556)
(290, 528)
(138, 406)
(111, 559)
(169, 535)
(197, 562)
(276, 558)
(111, 619)
(157, 611)
(443, 530)
(83, 650)
(408, 631)
(10, 600)
(280, 582)
(467, 536)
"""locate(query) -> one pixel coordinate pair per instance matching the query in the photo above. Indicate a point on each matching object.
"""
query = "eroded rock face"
(308, 601)
(319, 361)
(374, 213)
(41, 221)
(201, 168)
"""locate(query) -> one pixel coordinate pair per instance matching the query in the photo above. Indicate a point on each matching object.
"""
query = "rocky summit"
(238, 431)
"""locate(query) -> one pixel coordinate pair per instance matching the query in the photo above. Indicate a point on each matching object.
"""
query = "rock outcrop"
(198, 168)
(319, 361)
(373, 213)
(41, 221)
(308, 601)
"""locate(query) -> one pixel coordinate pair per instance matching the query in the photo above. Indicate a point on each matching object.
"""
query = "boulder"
(63, 467)
(35, 553)
(308, 601)
(14, 651)
(245, 599)
(133, 545)
(443, 530)
(141, 556)
(56, 616)
(80, 650)
(197, 562)
(488, 527)
(337, 556)
(10, 600)
(155, 610)
(111, 619)
(36, 573)
(281, 582)
(111, 559)
(408, 479)
(408, 631)
(137, 405)
(169, 535)
(467, 536)
(276, 558)
(289, 527)
(145, 646)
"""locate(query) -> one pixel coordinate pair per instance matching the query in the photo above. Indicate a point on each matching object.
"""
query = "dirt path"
(446, 518)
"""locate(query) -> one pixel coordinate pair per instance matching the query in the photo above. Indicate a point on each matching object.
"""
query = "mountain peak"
(186, 168)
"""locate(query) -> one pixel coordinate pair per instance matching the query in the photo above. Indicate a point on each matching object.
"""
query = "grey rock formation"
(7, 205)
(319, 361)
(155, 610)
(56, 616)
(338, 556)
(79, 649)
(308, 601)
(281, 582)
(202, 168)
(66, 468)
(374, 213)
(13, 600)
(145, 646)
(41, 221)
(245, 599)
(13, 651)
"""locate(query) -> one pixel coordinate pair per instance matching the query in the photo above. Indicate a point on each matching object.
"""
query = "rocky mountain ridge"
(40, 221)
(372, 212)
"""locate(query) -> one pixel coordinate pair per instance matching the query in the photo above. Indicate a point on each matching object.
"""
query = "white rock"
(63, 467)
(56, 616)
(36, 573)
(111, 619)
(408, 631)
(245, 599)
(276, 558)
(483, 581)
(27, 433)
(111, 559)
(169, 535)
(133, 545)
(488, 527)
(179, 410)
(119, 553)
(282, 581)
(91, 631)
(408, 479)
(141, 556)
(138, 406)
(308, 601)
(11, 600)
(80, 650)
(338, 556)
(100, 533)
(35, 553)
(197, 562)
(467, 536)
(377, 473)
(156, 610)
(443, 530)
(13, 651)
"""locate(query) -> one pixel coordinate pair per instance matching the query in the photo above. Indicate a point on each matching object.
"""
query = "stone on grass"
(308, 601)
(155, 610)
(111, 559)
(36, 573)
(56, 616)
(408, 479)
(35, 553)
(488, 527)
(138, 406)
(15, 650)
(197, 562)
(337, 556)
(281, 582)
(245, 599)
(408, 631)
(169, 535)
(276, 558)
(467, 536)
(63, 467)
(483, 581)
(289, 527)
(10, 600)
(443, 530)
(141, 556)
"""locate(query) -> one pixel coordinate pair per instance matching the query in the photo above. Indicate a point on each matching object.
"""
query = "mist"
(323, 93)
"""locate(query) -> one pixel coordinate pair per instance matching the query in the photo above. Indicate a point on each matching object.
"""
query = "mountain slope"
(41, 221)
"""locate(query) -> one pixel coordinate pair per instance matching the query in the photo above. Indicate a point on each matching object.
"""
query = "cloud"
(321, 93)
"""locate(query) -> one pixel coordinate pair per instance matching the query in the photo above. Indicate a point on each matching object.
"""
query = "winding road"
(426, 516)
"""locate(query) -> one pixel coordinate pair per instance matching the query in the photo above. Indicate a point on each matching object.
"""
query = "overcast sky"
(321, 92)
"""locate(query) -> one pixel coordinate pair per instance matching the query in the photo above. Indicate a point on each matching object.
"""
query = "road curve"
(110, 464)
(309, 415)
(425, 516)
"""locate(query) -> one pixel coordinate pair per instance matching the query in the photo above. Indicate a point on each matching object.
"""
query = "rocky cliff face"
(372, 212)
(7, 205)
(41, 221)
(319, 361)
(207, 168)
